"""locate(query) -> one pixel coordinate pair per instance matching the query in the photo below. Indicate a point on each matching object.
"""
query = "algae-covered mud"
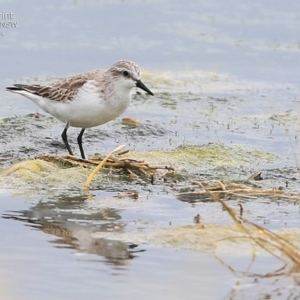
(204, 205)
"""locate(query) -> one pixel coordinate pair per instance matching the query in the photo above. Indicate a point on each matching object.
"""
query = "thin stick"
(99, 167)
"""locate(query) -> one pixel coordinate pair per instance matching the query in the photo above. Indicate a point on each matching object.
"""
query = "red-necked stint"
(88, 99)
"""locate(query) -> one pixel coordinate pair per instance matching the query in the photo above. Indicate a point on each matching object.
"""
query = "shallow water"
(222, 75)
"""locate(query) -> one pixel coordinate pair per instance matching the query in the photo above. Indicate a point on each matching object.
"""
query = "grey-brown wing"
(49, 92)
(61, 90)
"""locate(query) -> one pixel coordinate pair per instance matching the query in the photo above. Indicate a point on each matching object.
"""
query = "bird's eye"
(125, 73)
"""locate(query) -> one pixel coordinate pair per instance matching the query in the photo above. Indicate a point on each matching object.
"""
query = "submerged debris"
(241, 209)
(133, 195)
(130, 122)
(197, 219)
(256, 177)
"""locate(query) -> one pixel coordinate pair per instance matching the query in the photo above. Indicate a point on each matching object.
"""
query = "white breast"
(90, 107)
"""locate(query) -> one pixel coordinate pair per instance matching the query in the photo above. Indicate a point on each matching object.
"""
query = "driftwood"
(131, 166)
(219, 189)
(127, 164)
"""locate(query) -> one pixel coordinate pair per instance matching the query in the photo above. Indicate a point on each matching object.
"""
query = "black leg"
(79, 140)
(65, 139)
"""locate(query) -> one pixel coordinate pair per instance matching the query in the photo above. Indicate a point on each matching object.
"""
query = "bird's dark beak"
(140, 85)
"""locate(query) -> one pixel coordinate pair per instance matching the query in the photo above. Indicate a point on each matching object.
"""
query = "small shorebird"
(88, 99)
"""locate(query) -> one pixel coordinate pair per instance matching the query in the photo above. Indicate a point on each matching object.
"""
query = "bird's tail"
(23, 87)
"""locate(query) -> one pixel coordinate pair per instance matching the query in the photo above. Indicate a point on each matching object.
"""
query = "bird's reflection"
(74, 227)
